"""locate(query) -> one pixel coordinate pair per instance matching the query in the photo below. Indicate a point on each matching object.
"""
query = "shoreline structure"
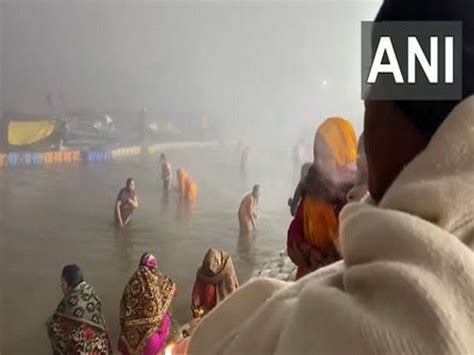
(47, 158)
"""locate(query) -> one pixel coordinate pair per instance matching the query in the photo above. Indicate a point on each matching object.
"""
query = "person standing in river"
(244, 161)
(126, 203)
(166, 174)
(248, 211)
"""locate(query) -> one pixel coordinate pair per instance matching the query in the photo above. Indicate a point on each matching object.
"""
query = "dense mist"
(256, 69)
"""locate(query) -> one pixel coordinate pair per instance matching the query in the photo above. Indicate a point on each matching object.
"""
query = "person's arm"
(254, 208)
(119, 214)
(250, 213)
(134, 201)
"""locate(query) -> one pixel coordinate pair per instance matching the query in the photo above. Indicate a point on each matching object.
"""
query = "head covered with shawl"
(218, 269)
(335, 152)
(78, 324)
(146, 300)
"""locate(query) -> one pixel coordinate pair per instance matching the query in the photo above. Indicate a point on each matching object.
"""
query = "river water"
(52, 216)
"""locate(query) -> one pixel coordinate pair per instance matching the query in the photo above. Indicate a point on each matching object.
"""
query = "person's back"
(247, 213)
(144, 311)
(182, 177)
(78, 326)
(215, 280)
(313, 233)
(190, 189)
(244, 217)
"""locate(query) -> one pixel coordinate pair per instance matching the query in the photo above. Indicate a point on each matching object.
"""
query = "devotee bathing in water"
(248, 211)
(77, 326)
(313, 233)
(127, 202)
(144, 310)
(215, 280)
(187, 188)
(166, 174)
(406, 284)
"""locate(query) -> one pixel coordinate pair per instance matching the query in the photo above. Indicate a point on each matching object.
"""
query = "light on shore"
(169, 349)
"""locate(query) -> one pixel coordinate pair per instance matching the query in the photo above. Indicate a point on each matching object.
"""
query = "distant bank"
(67, 156)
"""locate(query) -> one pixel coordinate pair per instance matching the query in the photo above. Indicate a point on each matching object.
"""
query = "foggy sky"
(250, 65)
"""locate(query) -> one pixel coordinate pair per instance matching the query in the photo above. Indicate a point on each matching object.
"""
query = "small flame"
(169, 349)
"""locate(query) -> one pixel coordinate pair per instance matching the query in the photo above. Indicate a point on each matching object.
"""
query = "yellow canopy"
(29, 132)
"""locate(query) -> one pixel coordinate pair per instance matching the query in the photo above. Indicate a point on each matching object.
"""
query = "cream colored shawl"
(408, 282)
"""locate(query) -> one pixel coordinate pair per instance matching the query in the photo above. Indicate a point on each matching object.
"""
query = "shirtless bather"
(165, 172)
(248, 210)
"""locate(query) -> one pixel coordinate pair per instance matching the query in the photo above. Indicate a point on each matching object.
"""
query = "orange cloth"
(340, 139)
(204, 295)
(316, 221)
(186, 185)
(320, 223)
(190, 189)
(182, 177)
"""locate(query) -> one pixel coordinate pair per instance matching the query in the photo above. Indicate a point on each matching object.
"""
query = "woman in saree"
(182, 177)
(190, 190)
(144, 310)
(187, 188)
(312, 235)
(77, 326)
(215, 280)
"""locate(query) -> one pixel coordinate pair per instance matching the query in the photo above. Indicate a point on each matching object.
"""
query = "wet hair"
(72, 274)
(162, 156)
(129, 181)
(255, 188)
(427, 116)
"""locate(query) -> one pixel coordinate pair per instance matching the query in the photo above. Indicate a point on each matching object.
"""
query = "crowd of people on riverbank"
(79, 327)
(145, 312)
(382, 236)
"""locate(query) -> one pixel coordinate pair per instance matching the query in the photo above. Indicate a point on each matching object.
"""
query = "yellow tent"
(29, 132)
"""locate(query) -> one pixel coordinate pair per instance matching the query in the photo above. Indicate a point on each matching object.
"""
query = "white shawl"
(408, 282)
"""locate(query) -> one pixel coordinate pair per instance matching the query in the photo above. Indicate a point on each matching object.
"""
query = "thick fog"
(255, 69)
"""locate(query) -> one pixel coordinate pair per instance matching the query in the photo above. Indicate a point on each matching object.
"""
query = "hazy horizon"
(249, 66)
